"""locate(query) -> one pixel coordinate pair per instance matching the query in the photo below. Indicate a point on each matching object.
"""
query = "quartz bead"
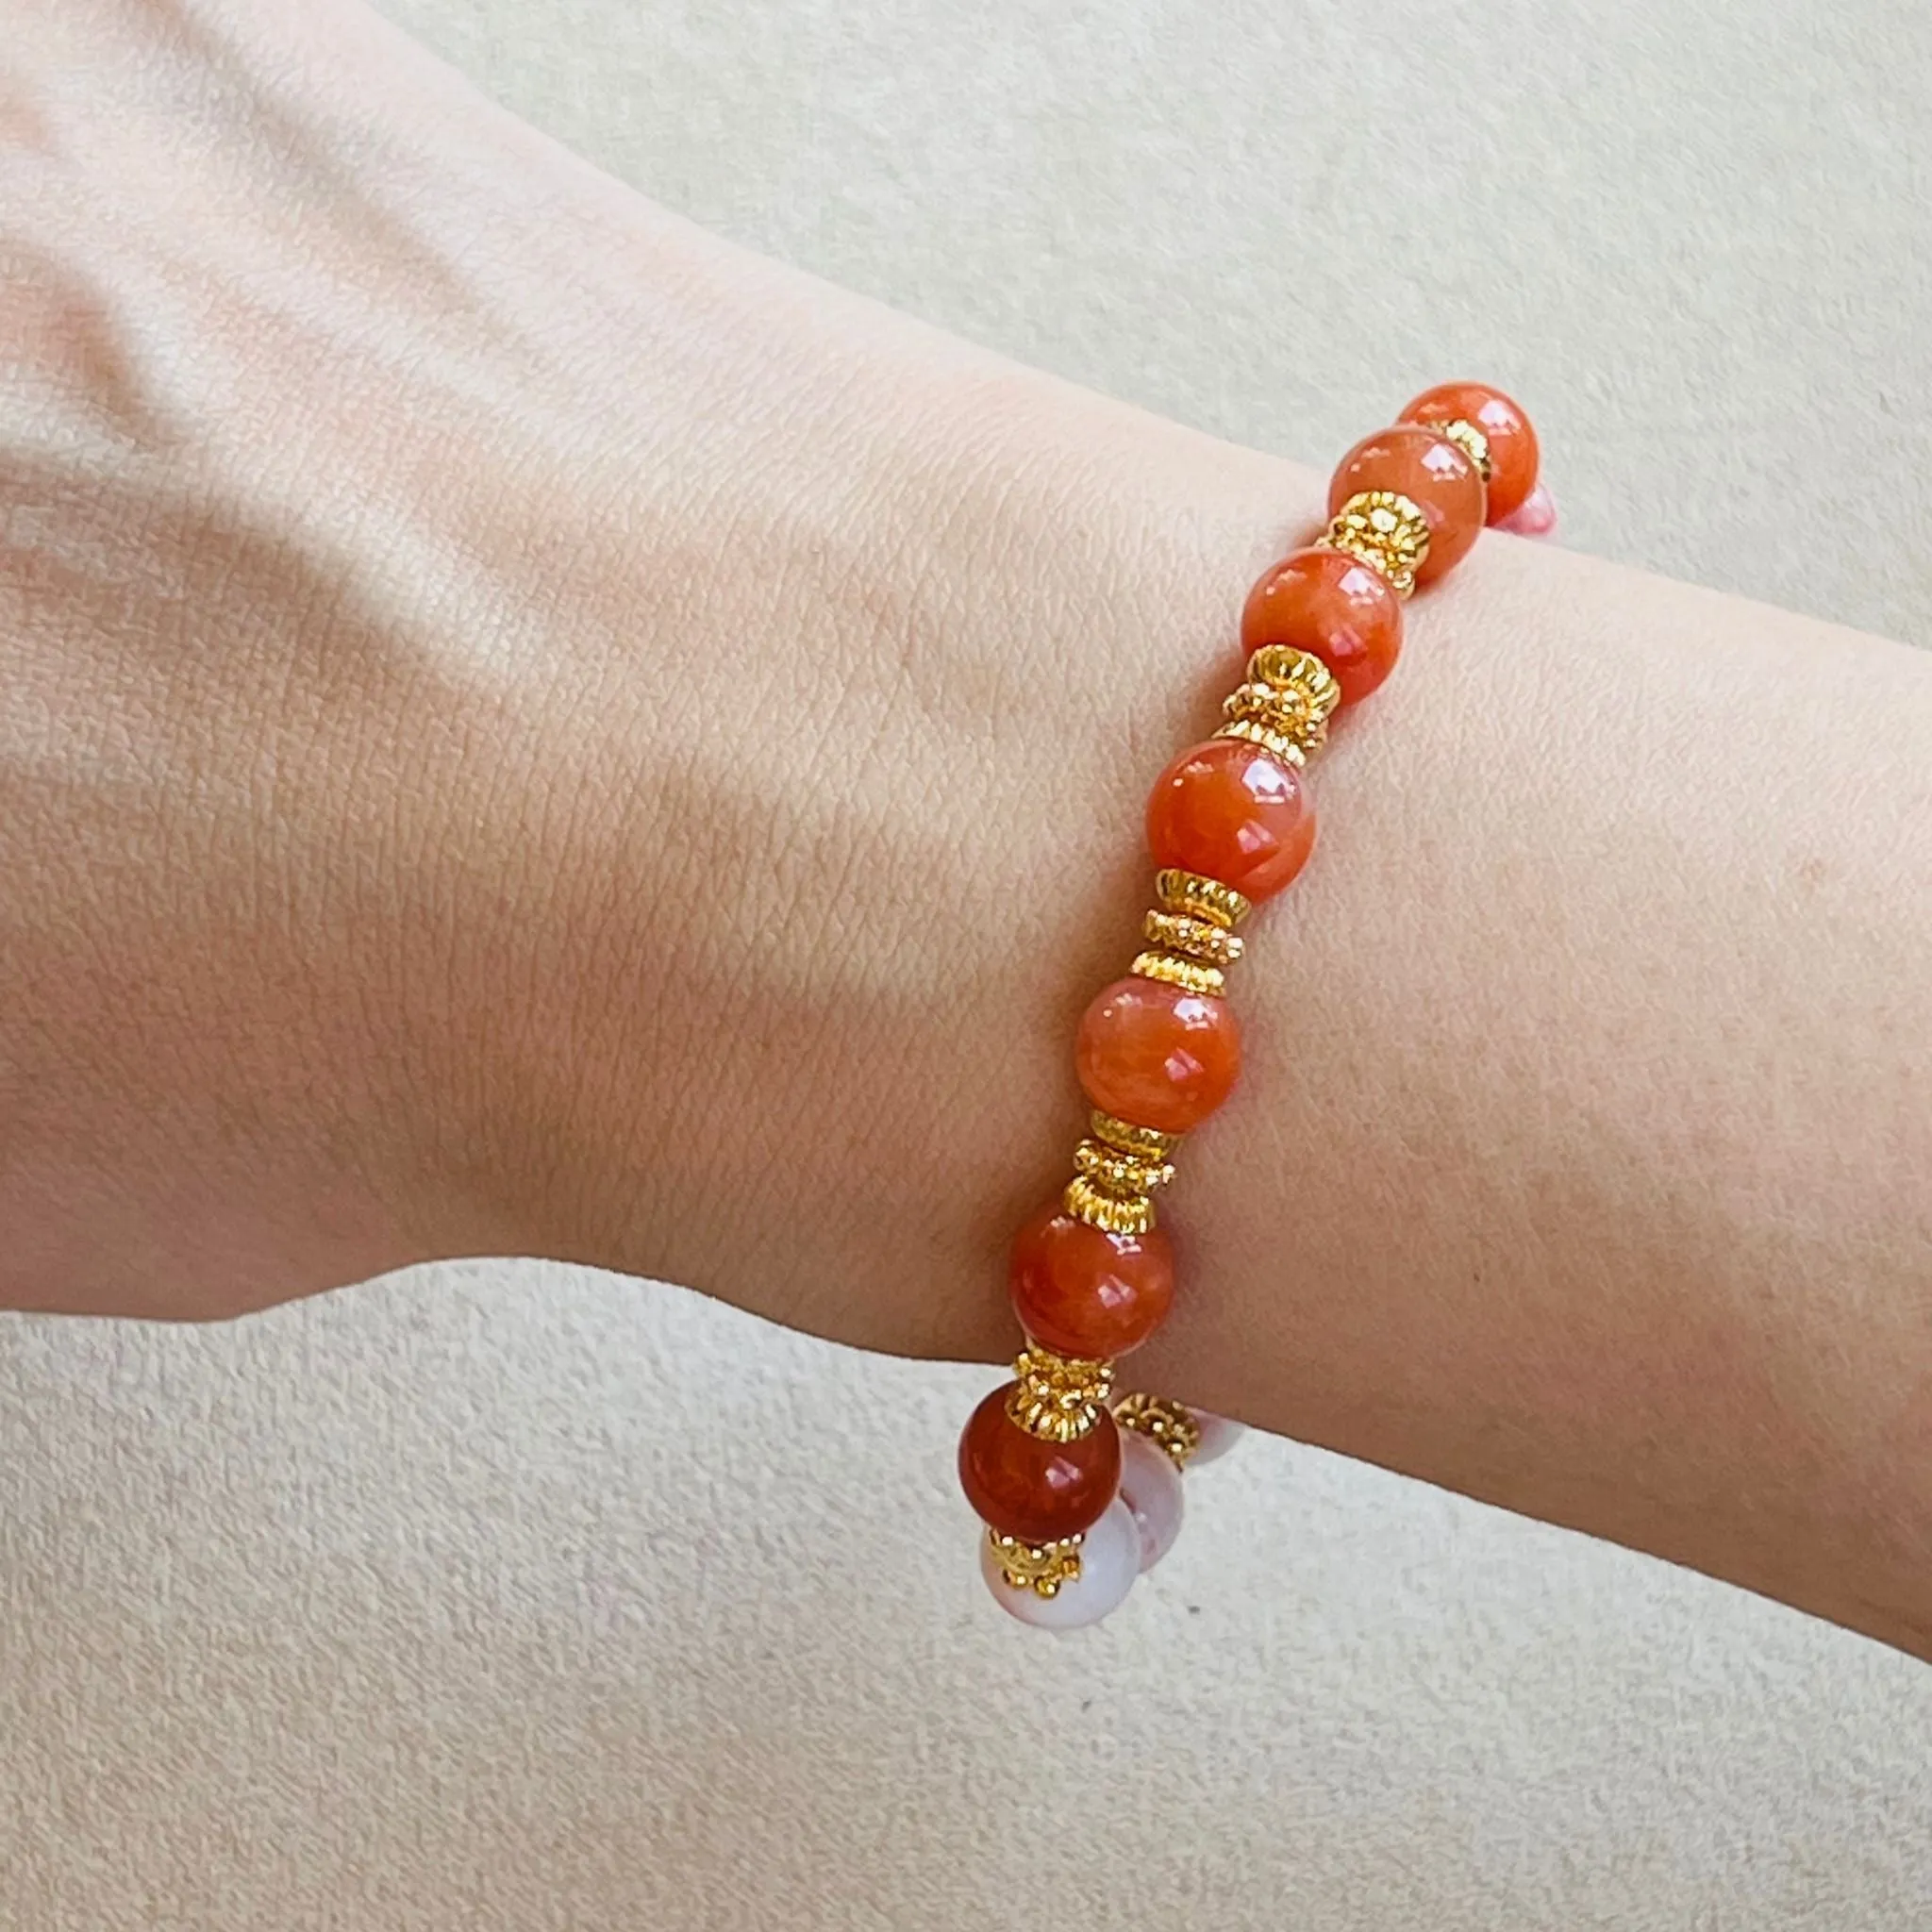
(1537, 516)
(1434, 473)
(1326, 602)
(1027, 1487)
(1109, 1561)
(1085, 1293)
(1158, 1055)
(1228, 810)
(1152, 1488)
(1218, 1436)
(1513, 453)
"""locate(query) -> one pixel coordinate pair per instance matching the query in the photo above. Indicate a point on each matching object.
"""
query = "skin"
(531, 731)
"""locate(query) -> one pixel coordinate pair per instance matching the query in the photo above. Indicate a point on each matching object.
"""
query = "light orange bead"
(1158, 1055)
(1327, 602)
(1514, 457)
(1437, 476)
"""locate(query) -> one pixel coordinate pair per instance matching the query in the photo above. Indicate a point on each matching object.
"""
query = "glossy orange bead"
(1085, 1293)
(1227, 810)
(1437, 476)
(1513, 454)
(1157, 1054)
(1327, 602)
(1036, 1490)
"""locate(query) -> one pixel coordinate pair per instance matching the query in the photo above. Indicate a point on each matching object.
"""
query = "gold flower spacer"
(1200, 898)
(1199, 939)
(1283, 721)
(1287, 750)
(1172, 970)
(1385, 530)
(1110, 1212)
(1283, 668)
(1164, 1422)
(1126, 1176)
(1042, 1568)
(1467, 438)
(1149, 1144)
(1059, 1399)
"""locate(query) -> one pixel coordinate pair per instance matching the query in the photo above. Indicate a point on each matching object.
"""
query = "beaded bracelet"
(1080, 1492)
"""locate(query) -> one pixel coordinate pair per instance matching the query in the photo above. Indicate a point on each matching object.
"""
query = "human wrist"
(1439, 1084)
(896, 829)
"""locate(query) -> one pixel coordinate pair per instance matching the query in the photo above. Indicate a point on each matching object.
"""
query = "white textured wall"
(521, 1597)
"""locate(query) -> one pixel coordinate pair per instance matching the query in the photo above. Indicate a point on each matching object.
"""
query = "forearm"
(532, 730)
(1583, 1159)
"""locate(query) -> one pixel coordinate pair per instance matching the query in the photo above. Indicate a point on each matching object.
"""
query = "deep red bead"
(1034, 1490)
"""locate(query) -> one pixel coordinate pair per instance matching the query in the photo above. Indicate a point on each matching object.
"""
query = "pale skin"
(528, 730)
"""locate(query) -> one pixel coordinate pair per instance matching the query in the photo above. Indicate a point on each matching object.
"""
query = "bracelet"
(1079, 1489)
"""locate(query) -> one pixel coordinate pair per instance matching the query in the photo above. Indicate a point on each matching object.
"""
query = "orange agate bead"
(1158, 1055)
(1228, 810)
(1441, 479)
(1513, 454)
(1084, 1292)
(1025, 1487)
(1343, 611)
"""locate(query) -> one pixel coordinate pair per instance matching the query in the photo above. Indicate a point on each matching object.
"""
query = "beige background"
(500, 1596)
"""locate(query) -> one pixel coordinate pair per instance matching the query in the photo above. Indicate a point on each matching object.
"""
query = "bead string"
(1079, 1488)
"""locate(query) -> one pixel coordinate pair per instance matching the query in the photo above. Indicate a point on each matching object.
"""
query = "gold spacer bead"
(1199, 939)
(1202, 898)
(1284, 748)
(1468, 439)
(1085, 1202)
(1042, 1568)
(1251, 731)
(1385, 530)
(1149, 1144)
(1126, 1176)
(1172, 970)
(1286, 711)
(1059, 1399)
(1283, 668)
(1163, 1420)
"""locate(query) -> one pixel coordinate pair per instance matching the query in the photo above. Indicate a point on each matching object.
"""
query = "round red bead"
(1326, 602)
(1434, 473)
(1034, 1490)
(1158, 1055)
(1514, 456)
(1085, 1293)
(1228, 810)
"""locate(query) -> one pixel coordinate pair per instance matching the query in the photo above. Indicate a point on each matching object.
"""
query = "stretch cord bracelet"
(1079, 1489)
